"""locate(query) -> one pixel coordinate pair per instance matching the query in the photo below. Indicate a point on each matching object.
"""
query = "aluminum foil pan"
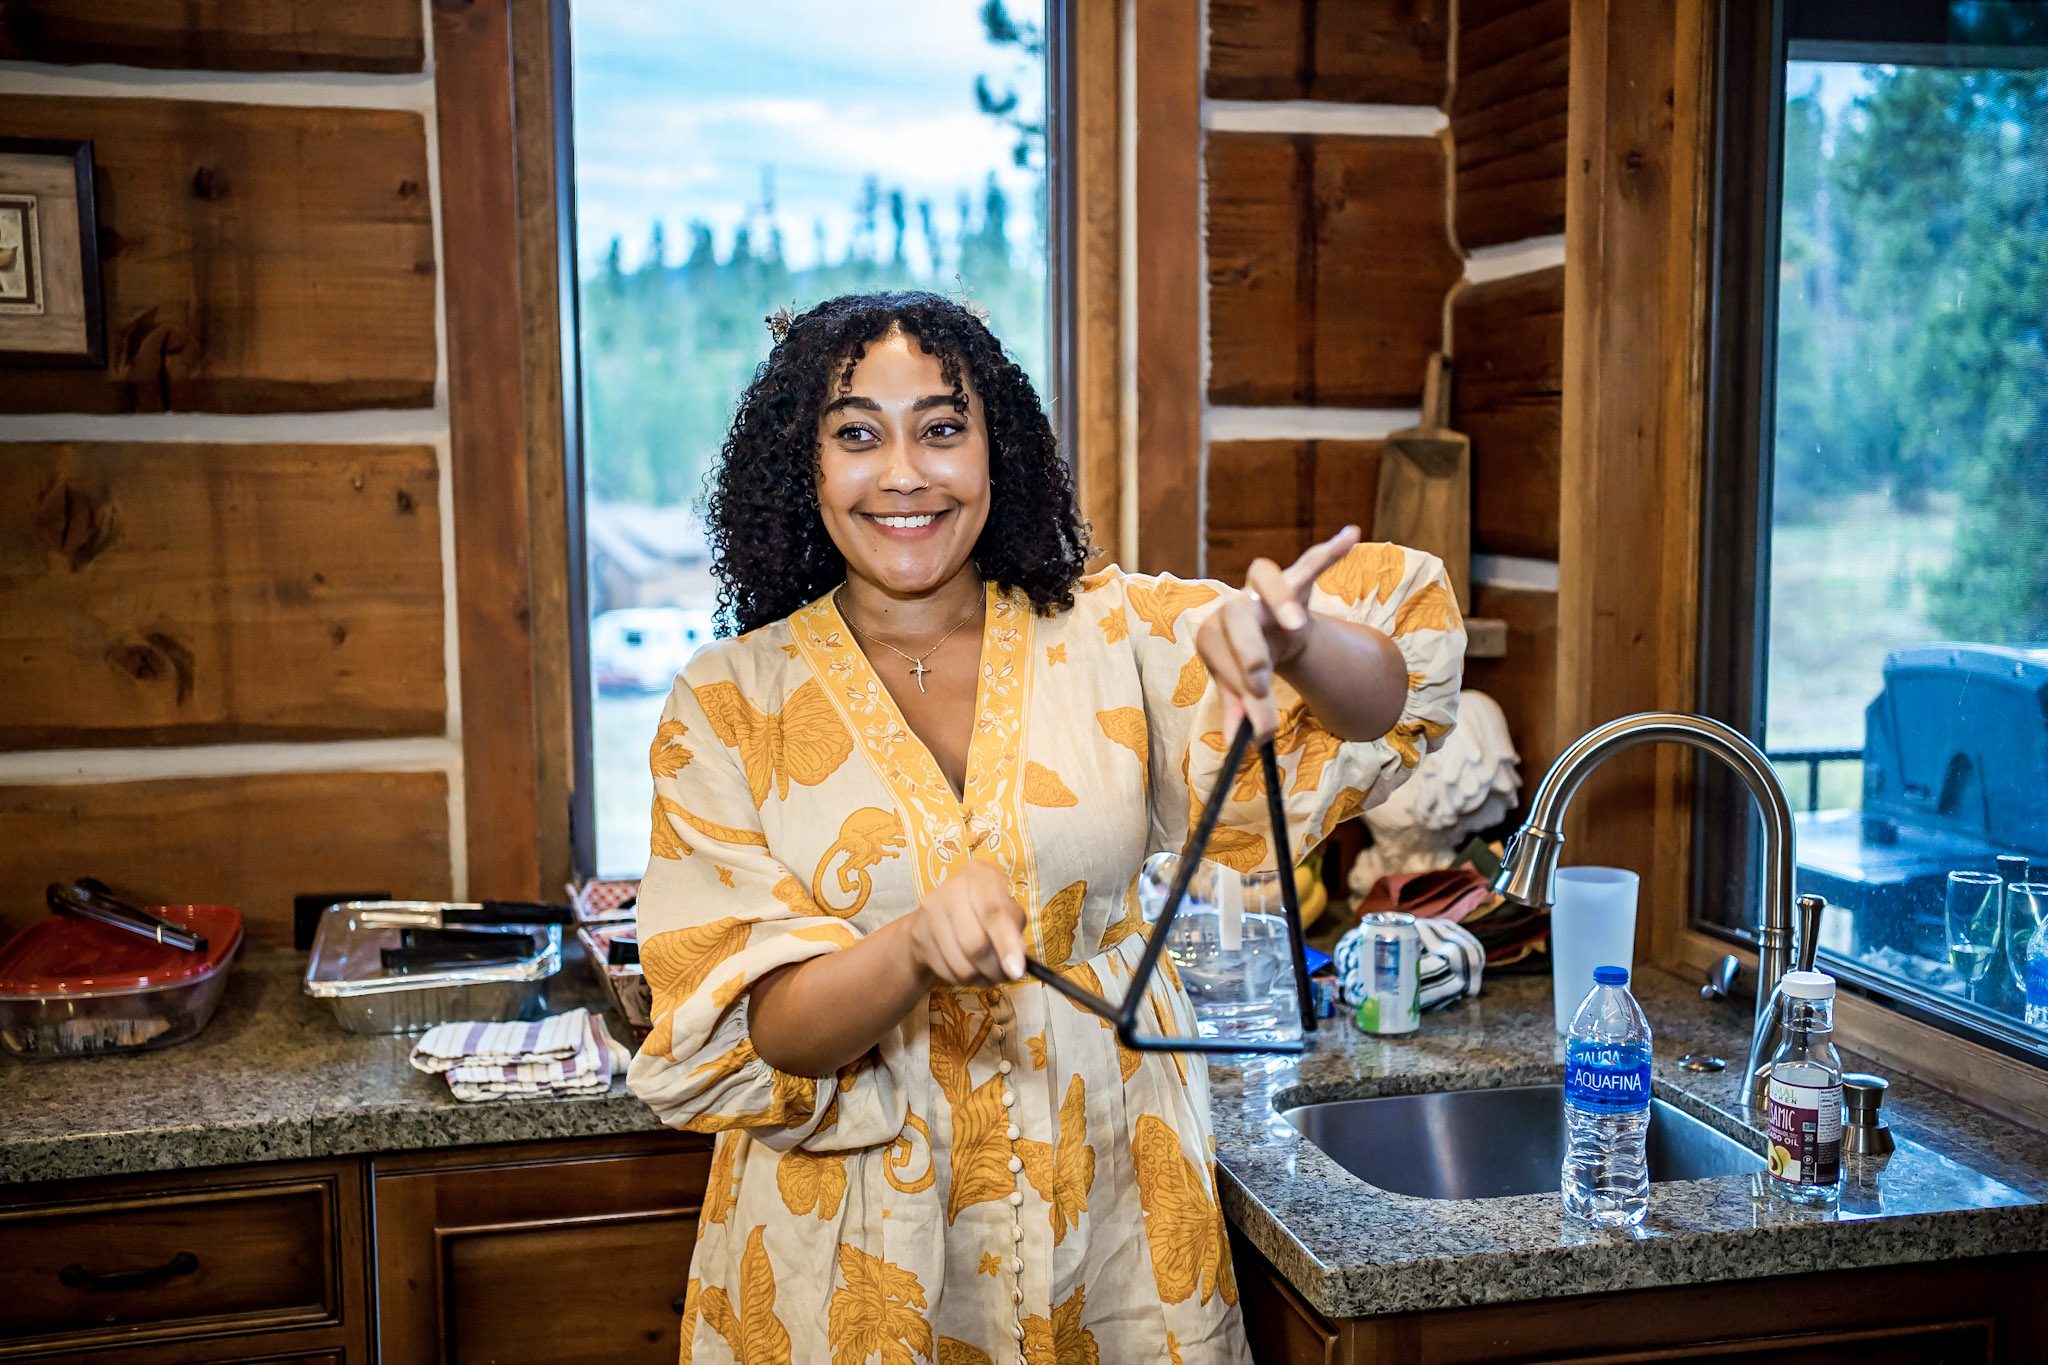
(346, 970)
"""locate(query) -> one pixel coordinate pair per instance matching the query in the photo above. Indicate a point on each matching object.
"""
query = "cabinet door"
(568, 1253)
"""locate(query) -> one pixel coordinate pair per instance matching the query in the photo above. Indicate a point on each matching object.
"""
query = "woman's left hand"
(1245, 640)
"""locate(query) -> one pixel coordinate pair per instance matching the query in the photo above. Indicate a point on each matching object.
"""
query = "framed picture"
(50, 307)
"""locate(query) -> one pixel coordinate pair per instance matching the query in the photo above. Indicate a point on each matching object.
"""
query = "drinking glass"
(1229, 942)
(1972, 911)
(2026, 914)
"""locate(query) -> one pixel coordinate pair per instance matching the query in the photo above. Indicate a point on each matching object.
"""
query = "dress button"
(1016, 1296)
(1016, 1265)
(1009, 1098)
(1017, 1234)
(1016, 1165)
(1015, 1132)
(1016, 1198)
(1003, 1068)
(1018, 1331)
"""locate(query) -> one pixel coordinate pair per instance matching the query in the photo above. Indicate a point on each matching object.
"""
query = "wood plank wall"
(1380, 188)
(224, 635)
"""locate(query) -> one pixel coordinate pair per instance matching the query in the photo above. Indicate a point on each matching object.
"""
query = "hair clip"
(780, 321)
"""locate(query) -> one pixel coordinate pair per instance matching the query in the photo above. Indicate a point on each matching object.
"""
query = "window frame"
(1736, 477)
(1077, 46)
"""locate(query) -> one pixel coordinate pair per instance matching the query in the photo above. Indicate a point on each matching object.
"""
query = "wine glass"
(1972, 912)
(2026, 914)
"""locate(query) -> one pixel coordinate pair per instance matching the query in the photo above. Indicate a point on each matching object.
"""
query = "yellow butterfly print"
(866, 838)
(1114, 627)
(1036, 1044)
(667, 756)
(1189, 1255)
(991, 1264)
(1107, 574)
(1063, 1340)
(755, 1334)
(804, 742)
(720, 1187)
(878, 1308)
(1055, 654)
(953, 1351)
(1428, 608)
(693, 1290)
(676, 962)
(1349, 802)
(1063, 1175)
(1238, 848)
(666, 810)
(1161, 603)
(1409, 736)
(1083, 975)
(1192, 683)
(725, 877)
(1043, 787)
(1251, 772)
(1375, 567)
(1126, 726)
(807, 1181)
(667, 842)
(1058, 920)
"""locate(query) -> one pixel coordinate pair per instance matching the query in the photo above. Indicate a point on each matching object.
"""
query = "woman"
(938, 746)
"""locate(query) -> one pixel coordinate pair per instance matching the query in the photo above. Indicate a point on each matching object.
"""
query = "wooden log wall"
(225, 640)
(1380, 188)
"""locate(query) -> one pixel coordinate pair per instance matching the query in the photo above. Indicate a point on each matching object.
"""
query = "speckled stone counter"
(272, 1078)
(1962, 1183)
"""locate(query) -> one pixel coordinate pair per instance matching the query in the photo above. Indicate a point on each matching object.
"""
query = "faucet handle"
(1721, 978)
(1810, 908)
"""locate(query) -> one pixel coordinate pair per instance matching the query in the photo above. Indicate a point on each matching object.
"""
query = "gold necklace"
(918, 666)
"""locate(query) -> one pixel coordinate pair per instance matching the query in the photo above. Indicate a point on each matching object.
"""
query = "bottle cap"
(1808, 985)
(1610, 976)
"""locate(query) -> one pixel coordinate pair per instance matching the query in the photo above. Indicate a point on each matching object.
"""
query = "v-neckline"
(976, 728)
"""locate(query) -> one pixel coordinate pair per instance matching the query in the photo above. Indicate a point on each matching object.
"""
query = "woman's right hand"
(970, 931)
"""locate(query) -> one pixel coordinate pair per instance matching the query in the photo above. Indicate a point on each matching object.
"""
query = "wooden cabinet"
(247, 1264)
(1981, 1312)
(573, 1253)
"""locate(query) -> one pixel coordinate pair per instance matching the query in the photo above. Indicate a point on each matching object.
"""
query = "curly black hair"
(770, 549)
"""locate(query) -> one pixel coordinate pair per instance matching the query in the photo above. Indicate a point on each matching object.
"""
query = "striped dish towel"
(563, 1055)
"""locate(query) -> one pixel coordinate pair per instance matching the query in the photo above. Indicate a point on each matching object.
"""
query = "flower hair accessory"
(779, 322)
(965, 298)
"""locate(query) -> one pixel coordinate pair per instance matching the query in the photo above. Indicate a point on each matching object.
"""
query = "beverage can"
(1393, 953)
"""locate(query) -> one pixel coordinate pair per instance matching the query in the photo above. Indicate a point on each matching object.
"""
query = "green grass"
(1846, 589)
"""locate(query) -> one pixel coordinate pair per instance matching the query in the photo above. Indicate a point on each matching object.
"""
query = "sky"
(682, 105)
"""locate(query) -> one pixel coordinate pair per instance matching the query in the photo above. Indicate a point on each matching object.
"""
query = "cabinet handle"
(76, 1276)
(679, 1302)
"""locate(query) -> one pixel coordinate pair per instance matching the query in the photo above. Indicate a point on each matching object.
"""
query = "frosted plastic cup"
(1592, 924)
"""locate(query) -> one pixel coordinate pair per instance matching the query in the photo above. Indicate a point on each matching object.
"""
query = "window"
(1877, 584)
(730, 161)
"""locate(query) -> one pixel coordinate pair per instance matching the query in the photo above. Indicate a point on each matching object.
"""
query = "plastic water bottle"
(1607, 1105)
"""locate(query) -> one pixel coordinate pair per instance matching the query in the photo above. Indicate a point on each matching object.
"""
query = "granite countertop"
(1962, 1182)
(274, 1078)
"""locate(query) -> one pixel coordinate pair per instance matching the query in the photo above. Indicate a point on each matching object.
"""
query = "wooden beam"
(1635, 315)
(257, 258)
(251, 841)
(1328, 264)
(1388, 52)
(487, 419)
(1276, 498)
(1096, 34)
(1507, 394)
(1524, 678)
(1509, 119)
(218, 35)
(171, 594)
(1167, 197)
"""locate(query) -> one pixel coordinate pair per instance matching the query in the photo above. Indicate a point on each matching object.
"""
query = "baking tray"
(625, 984)
(346, 970)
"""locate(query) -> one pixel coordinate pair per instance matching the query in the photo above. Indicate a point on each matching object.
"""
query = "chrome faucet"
(1530, 862)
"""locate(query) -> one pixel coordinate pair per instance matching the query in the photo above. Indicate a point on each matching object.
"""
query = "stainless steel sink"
(1487, 1144)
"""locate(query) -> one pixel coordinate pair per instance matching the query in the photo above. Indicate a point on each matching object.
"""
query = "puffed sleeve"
(1403, 593)
(717, 912)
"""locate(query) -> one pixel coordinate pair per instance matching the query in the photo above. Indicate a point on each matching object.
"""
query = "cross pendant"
(917, 671)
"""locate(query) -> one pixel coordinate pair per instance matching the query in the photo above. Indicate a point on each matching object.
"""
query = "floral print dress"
(998, 1179)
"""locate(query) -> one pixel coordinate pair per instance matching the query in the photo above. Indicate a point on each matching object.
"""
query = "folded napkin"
(562, 1055)
(1452, 964)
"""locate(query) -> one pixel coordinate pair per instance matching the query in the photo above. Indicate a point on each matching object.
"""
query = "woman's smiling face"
(903, 470)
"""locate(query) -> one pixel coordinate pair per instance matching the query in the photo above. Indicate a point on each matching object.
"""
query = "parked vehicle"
(641, 649)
